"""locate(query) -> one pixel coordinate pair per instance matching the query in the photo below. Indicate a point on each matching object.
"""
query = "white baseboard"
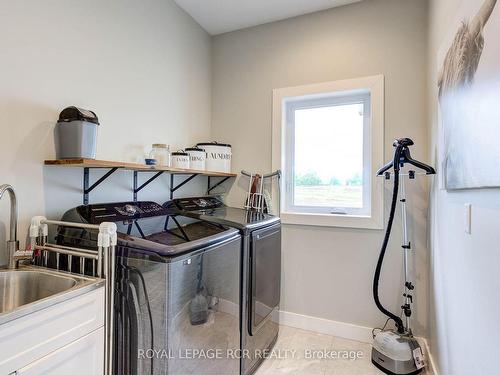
(327, 327)
(344, 330)
(431, 365)
(229, 307)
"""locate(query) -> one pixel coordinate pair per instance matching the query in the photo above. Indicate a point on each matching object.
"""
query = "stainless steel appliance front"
(177, 292)
(156, 332)
(261, 271)
(261, 295)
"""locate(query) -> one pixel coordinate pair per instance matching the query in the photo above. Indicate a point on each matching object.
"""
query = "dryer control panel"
(120, 211)
(198, 203)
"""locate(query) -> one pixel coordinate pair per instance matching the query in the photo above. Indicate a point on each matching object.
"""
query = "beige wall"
(143, 66)
(464, 310)
(327, 272)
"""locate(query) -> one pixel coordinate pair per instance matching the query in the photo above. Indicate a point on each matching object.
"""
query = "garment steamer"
(397, 352)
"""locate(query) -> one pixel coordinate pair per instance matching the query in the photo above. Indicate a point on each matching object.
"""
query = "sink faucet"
(12, 243)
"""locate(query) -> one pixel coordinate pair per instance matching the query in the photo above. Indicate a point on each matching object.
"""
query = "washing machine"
(261, 270)
(177, 291)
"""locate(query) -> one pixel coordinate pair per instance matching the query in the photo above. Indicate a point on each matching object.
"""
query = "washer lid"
(169, 244)
(147, 227)
(212, 209)
(240, 218)
(235, 217)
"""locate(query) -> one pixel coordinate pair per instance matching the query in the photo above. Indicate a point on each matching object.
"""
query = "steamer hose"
(397, 319)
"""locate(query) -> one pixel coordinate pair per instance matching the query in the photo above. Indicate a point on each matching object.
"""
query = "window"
(327, 140)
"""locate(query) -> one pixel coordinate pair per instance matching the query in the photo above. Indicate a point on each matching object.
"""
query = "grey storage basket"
(76, 134)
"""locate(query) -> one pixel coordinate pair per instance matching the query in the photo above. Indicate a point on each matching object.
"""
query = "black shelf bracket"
(138, 189)
(87, 188)
(210, 188)
(178, 186)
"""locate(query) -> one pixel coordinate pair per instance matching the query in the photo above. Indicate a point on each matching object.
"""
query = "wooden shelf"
(91, 163)
(87, 164)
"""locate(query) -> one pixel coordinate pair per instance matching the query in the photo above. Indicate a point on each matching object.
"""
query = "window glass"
(328, 165)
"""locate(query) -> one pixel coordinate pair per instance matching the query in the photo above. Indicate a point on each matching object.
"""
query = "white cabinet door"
(34, 336)
(84, 356)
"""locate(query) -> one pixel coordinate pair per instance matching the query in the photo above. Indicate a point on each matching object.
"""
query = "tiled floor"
(300, 341)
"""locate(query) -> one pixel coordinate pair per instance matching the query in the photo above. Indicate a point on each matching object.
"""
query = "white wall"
(142, 66)
(464, 325)
(327, 272)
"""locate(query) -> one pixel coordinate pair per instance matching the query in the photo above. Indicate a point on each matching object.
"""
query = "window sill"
(332, 220)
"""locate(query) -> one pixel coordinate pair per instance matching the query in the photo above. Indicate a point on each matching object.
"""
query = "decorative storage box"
(180, 159)
(197, 158)
(218, 156)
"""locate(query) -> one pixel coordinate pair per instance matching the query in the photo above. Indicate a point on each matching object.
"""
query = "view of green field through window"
(329, 156)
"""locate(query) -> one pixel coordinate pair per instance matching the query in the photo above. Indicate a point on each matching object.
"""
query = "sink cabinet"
(64, 338)
(82, 357)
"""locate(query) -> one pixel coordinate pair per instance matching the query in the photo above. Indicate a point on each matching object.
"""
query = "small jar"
(180, 159)
(161, 153)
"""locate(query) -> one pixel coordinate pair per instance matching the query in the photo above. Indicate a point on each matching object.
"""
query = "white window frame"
(284, 100)
(300, 102)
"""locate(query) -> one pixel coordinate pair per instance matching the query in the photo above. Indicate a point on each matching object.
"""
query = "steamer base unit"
(261, 270)
(393, 353)
(177, 288)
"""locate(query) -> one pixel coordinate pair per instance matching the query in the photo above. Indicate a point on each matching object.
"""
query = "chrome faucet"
(12, 243)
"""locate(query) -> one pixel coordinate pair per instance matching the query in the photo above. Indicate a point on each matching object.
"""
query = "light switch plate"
(468, 218)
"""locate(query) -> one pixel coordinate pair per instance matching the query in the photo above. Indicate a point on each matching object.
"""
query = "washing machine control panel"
(198, 204)
(120, 211)
(128, 210)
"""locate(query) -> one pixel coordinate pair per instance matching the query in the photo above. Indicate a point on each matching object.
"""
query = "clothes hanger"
(402, 156)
